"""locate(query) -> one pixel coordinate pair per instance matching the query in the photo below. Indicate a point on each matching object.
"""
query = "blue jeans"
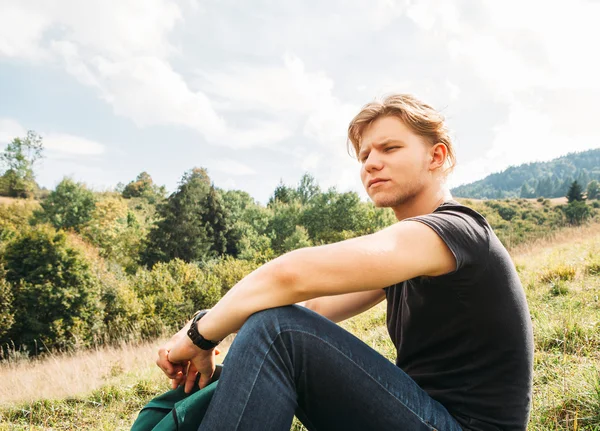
(290, 360)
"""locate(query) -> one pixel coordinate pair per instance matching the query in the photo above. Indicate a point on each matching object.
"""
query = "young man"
(457, 313)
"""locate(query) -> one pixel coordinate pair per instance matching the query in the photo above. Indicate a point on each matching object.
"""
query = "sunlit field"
(105, 388)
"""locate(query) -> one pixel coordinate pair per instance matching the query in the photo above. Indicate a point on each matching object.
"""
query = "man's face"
(392, 153)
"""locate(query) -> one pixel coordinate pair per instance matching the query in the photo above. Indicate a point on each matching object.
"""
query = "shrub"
(228, 271)
(13, 217)
(55, 294)
(507, 213)
(558, 288)
(559, 273)
(7, 317)
(115, 231)
(69, 206)
(170, 293)
(593, 268)
(577, 212)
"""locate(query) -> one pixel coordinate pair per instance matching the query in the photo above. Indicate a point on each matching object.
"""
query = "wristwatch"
(196, 337)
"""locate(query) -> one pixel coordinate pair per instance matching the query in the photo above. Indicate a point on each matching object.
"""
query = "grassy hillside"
(561, 277)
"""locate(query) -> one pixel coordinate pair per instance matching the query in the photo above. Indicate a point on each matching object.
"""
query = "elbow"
(287, 273)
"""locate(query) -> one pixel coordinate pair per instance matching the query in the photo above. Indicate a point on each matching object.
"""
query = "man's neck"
(424, 203)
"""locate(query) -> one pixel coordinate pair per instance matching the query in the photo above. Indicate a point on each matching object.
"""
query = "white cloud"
(10, 129)
(60, 142)
(69, 144)
(231, 167)
(526, 68)
(21, 30)
(283, 87)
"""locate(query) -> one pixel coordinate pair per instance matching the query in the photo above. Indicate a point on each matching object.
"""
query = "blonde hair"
(421, 118)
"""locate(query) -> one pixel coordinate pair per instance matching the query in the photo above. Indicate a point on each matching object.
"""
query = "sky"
(260, 92)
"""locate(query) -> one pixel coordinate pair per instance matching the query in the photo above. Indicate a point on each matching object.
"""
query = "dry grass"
(567, 235)
(69, 375)
(65, 375)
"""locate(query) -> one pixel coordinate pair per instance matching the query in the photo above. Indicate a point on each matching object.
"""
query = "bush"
(170, 293)
(507, 213)
(14, 217)
(69, 206)
(558, 288)
(228, 271)
(55, 294)
(116, 232)
(7, 317)
(577, 212)
(559, 273)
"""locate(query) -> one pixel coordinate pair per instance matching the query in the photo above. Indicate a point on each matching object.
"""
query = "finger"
(206, 370)
(204, 380)
(163, 362)
(190, 380)
(179, 378)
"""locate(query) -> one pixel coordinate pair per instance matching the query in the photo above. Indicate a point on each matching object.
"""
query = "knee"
(275, 320)
(273, 317)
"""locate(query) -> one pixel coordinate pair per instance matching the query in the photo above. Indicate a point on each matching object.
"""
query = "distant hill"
(540, 179)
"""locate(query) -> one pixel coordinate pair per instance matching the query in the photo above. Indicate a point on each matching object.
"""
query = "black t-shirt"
(466, 337)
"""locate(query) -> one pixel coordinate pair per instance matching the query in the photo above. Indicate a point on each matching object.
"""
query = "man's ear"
(438, 153)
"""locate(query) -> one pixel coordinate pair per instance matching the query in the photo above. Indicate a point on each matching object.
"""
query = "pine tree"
(575, 193)
(192, 225)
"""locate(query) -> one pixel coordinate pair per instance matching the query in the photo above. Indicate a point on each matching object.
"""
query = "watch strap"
(196, 337)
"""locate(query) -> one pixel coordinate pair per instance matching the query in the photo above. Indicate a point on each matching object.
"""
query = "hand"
(175, 371)
(181, 372)
(196, 360)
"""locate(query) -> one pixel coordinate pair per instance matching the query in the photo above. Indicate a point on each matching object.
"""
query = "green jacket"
(175, 410)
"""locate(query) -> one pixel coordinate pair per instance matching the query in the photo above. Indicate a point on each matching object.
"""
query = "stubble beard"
(399, 197)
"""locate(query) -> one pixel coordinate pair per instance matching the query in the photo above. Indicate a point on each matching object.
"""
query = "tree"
(283, 223)
(334, 216)
(283, 194)
(55, 294)
(69, 206)
(19, 158)
(298, 239)
(144, 187)
(593, 190)
(308, 188)
(191, 223)
(575, 193)
(248, 222)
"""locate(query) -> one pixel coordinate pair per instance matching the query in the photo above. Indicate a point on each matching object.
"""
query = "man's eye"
(391, 148)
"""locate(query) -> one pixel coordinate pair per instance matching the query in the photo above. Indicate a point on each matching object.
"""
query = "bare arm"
(402, 251)
(342, 307)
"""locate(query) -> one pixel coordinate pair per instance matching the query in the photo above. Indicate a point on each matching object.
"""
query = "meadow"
(104, 388)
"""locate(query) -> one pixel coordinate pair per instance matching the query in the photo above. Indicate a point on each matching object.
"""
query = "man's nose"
(373, 162)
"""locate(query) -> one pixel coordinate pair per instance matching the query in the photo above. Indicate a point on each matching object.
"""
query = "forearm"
(269, 286)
